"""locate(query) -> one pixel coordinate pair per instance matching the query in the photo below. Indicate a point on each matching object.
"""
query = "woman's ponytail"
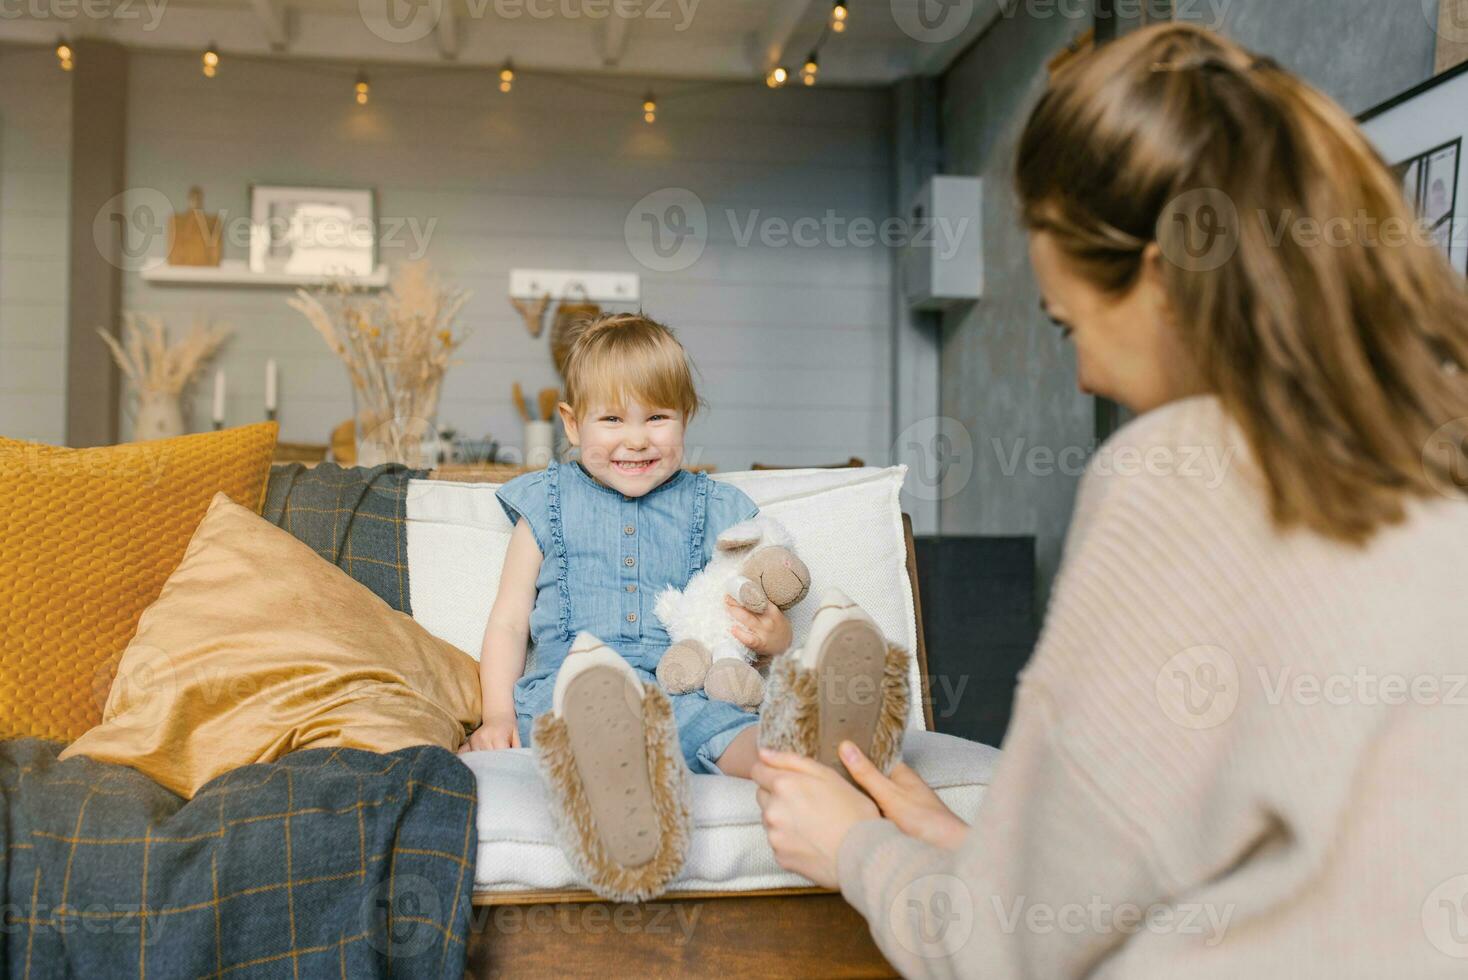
(1310, 299)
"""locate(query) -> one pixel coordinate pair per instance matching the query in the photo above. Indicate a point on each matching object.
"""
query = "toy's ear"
(745, 534)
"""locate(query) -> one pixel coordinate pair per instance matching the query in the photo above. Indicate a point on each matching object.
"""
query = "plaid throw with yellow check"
(331, 862)
(355, 518)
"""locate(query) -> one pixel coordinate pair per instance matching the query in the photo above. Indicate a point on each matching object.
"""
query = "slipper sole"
(579, 828)
(849, 669)
(607, 732)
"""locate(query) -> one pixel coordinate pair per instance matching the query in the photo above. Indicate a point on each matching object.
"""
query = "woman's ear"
(568, 419)
(1154, 281)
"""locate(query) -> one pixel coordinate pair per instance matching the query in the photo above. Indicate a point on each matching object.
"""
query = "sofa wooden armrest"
(777, 932)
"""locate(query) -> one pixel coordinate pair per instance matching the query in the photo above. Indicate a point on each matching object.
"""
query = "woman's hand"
(906, 800)
(767, 634)
(807, 810)
(499, 731)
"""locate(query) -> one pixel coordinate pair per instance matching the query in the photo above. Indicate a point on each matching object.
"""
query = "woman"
(1238, 747)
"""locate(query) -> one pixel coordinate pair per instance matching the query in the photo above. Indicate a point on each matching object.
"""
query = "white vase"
(159, 416)
(540, 443)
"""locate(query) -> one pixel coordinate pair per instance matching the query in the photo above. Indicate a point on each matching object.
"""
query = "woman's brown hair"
(1337, 354)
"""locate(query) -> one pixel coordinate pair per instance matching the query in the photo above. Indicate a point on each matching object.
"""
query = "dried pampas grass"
(152, 364)
(396, 347)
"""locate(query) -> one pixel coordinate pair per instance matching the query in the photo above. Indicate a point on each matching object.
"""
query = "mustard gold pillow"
(258, 646)
(87, 538)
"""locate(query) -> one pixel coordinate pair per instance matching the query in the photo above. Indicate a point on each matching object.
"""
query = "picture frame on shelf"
(1421, 133)
(313, 231)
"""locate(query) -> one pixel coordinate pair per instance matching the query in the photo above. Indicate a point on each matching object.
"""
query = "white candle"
(219, 395)
(270, 377)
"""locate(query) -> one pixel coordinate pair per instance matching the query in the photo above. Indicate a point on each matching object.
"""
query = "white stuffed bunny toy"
(755, 562)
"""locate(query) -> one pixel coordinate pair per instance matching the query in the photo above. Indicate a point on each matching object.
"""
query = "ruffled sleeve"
(727, 506)
(525, 496)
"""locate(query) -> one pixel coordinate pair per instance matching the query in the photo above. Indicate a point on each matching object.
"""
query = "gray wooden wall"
(35, 126)
(792, 342)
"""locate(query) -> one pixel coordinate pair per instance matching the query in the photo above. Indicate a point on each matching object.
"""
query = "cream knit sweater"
(1235, 753)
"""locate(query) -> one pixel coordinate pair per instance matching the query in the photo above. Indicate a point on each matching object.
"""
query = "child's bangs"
(653, 380)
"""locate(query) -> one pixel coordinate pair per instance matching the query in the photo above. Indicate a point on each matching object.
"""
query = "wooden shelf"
(237, 273)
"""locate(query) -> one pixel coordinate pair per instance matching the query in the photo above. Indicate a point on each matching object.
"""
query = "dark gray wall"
(1005, 373)
(1359, 52)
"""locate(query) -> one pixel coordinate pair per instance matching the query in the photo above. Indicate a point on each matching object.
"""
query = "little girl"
(594, 543)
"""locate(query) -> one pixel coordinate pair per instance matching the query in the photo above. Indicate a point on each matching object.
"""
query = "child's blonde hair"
(621, 357)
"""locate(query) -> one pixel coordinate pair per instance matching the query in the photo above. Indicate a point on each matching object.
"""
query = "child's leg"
(715, 735)
(739, 758)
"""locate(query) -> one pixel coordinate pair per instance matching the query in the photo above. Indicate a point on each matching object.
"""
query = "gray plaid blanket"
(354, 518)
(331, 862)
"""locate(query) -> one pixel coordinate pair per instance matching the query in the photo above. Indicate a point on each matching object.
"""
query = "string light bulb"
(64, 55)
(649, 108)
(362, 88)
(810, 69)
(211, 61)
(839, 13)
(507, 76)
(777, 76)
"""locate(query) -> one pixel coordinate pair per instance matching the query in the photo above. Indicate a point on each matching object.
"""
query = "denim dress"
(605, 559)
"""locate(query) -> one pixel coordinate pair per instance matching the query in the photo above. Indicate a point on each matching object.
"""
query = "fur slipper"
(618, 786)
(847, 682)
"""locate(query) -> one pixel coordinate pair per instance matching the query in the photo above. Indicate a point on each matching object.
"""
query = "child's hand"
(497, 732)
(767, 633)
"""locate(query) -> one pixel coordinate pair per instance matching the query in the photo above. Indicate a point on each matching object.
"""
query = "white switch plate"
(599, 287)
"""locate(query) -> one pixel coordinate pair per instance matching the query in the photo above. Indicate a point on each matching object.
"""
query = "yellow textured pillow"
(258, 646)
(87, 538)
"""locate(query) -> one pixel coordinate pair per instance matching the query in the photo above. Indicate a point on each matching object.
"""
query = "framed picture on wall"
(1421, 133)
(315, 231)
